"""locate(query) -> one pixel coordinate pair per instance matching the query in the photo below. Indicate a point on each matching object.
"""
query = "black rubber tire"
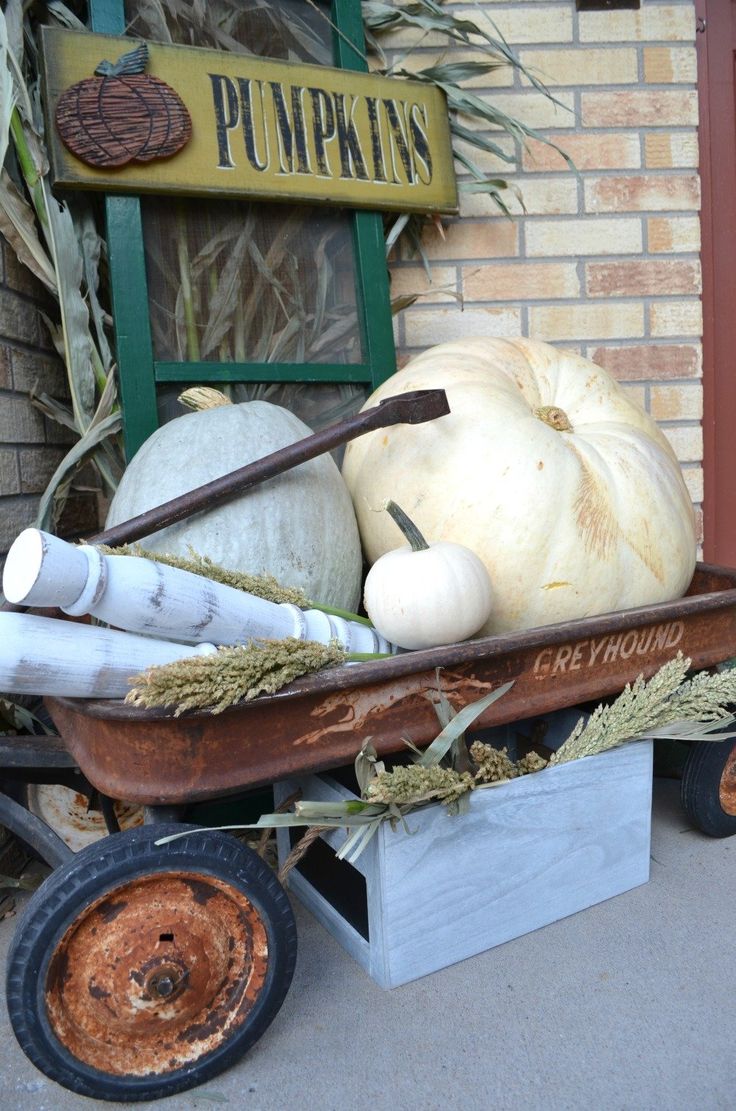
(69, 897)
(702, 781)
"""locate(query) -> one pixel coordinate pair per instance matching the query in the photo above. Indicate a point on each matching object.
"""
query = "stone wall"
(606, 262)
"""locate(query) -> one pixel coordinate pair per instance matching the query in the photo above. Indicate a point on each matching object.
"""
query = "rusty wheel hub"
(168, 981)
(157, 973)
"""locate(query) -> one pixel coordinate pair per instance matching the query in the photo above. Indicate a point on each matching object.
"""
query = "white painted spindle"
(44, 655)
(143, 596)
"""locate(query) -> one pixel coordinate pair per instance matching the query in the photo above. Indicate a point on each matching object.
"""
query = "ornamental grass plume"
(705, 697)
(493, 764)
(665, 705)
(262, 586)
(411, 785)
(532, 762)
(231, 674)
(642, 705)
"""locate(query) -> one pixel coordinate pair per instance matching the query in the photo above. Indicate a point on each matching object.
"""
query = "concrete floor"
(627, 1006)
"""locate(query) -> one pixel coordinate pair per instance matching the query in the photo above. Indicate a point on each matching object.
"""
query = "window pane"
(234, 282)
(248, 281)
(291, 30)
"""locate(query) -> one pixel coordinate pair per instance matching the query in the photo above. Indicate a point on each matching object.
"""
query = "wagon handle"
(407, 408)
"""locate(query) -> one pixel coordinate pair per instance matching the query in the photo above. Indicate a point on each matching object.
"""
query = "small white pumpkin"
(423, 595)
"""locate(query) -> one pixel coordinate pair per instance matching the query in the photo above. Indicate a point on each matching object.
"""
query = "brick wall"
(31, 446)
(605, 263)
(28, 454)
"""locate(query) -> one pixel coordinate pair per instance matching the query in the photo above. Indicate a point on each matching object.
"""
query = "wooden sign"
(210, 123)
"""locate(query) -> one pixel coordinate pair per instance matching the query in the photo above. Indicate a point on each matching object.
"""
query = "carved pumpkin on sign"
(122, 115)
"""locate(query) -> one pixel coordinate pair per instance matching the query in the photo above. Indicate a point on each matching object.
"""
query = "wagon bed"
(320, 721)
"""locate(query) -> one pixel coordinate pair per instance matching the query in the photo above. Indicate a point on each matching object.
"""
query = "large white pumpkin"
(299, 526)
(566, 489)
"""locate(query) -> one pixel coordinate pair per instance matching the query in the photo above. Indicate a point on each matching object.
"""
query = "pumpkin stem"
(366, 657)
(554, 416)
(134, 61)
(332, 611)
(203, 397)
(407, 526)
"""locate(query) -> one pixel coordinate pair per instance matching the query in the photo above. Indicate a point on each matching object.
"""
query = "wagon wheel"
(75, 817)
(709, 787)
(141, 970)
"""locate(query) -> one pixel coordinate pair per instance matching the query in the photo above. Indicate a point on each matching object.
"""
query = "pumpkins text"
(311, 131)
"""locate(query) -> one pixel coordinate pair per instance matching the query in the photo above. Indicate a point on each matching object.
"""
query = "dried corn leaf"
(65, 16)
(74, 312)
(53, 409)
(7, 89)
(457, 726)
(227, 297)
(85, 446)
(91, 246)
(18, 225)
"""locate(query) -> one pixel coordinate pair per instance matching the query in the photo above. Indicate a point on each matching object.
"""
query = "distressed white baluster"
(44, 655)
(143, 596)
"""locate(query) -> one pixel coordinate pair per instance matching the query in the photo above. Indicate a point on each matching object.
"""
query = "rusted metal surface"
(322, 720)
(727, 788)
(407, 408)
(156, 974)
(72, 816)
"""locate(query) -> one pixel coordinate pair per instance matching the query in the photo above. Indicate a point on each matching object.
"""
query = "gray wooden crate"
(525, 854)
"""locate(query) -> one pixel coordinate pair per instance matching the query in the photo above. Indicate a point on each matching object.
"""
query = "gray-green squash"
(299, 526)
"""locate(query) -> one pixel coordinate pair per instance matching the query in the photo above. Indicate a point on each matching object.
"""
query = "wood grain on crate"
(524, 855)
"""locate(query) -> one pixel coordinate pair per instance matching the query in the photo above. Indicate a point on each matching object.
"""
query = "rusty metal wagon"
(141, 969)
